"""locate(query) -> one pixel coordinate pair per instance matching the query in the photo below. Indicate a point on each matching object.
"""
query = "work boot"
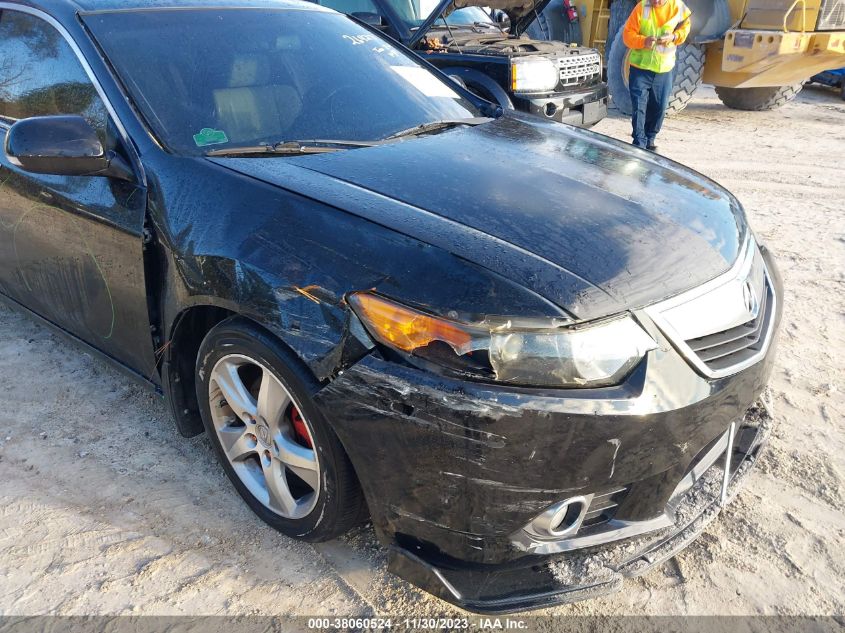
(651, 146)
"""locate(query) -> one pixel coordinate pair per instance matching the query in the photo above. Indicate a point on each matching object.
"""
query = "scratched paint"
(450, 467)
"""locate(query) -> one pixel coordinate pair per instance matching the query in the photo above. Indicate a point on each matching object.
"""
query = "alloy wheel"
(263, 434)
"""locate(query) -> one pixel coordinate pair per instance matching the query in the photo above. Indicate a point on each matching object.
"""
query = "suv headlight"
(533, 74)
(522, 352)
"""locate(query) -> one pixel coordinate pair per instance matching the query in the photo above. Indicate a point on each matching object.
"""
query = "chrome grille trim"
(713, 326)
(717, 349)
(576, 69)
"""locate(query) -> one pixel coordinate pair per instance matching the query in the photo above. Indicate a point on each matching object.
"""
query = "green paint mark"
(39, 205)
(209, 136)
(21, 218)
(102, 274)
(88, 249)
(8, 227)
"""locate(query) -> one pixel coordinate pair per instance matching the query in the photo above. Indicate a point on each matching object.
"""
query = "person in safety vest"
(653, 32)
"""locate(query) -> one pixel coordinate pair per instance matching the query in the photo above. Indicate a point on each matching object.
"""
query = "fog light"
(561, 519)
(550, 109)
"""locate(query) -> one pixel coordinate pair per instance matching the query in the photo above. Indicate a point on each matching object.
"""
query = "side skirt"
(86, 347)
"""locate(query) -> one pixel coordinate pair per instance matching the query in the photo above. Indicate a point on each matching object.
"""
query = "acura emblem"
(749, 298)
(263, 434)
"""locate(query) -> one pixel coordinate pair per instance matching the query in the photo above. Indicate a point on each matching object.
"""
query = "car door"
(70, 246)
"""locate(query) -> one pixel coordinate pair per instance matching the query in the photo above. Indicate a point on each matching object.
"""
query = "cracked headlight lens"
(539, 353)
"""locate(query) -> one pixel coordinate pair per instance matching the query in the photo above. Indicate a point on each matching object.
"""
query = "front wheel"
(273, 442)
(758, 99)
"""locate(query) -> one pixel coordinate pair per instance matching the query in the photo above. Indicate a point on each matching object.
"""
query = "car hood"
(521, 13)
(590, 223)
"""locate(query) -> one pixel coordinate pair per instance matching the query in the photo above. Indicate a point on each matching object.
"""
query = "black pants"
(650, 94)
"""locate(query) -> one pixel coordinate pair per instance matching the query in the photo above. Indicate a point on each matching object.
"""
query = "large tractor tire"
(758, 99)
(619, 12)
(548, 26)
(688, 71)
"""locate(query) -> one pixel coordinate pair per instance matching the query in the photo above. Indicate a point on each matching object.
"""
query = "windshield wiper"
(325, 146)
(433, 126)
(292, 148)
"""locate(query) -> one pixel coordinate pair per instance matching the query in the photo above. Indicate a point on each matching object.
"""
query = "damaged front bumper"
(460, 476)
(452, 479)
(535, 583)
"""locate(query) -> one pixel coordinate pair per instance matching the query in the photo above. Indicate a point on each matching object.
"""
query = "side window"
(41, 75)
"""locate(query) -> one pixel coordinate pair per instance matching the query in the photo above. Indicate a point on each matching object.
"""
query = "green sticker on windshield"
(208, 136)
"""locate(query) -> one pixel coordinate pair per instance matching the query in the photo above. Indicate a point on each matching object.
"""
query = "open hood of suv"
(521, 13)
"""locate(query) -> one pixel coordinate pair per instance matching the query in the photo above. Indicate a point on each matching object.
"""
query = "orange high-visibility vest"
(661, 58)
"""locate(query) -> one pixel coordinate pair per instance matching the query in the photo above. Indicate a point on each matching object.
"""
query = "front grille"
(579, 69)
(603, 507)
(725, 349)
(832, 15)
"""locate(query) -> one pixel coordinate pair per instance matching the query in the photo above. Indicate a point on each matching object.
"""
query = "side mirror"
(370, 19)
(63, 146)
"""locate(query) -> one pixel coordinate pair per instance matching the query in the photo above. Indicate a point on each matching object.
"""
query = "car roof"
(135, 5)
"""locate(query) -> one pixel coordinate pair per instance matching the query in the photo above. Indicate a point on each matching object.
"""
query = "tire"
(620, 10)
(554, 29)
(309, 493)
(758, 99)
(689, 68)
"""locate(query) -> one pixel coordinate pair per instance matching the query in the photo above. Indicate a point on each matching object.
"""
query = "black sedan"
(519, 348)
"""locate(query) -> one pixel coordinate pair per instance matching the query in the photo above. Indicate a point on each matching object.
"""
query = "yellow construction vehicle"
(758, 53)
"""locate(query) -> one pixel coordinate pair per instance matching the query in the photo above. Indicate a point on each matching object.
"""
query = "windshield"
(415, 12)
(211, 79)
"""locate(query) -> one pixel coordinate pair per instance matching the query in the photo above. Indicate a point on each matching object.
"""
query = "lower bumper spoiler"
(583, 108)
(534, 582)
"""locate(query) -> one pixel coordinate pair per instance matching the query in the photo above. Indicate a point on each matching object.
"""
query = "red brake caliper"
(300, 429)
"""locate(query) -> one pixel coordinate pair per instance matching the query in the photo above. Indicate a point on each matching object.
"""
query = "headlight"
(530, 353)
(534, 75)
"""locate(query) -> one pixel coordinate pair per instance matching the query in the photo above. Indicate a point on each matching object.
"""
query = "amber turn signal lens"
(396, 325)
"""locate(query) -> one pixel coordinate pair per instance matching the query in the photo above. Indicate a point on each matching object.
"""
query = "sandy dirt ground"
(104, 509)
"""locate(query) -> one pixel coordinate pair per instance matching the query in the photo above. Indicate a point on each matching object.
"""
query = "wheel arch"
(472, 76)
(191, 325)
(185, 335)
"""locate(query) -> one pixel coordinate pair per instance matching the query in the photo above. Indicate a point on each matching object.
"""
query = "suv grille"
(722, 350)
(832, 15)
(726, 324)
(579, 69)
